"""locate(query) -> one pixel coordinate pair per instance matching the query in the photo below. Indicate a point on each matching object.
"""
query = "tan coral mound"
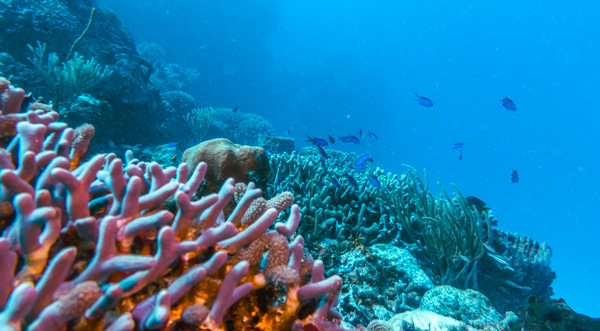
(227, 160)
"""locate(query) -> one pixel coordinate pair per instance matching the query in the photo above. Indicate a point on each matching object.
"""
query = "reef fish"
(372, 135)
(321, 151)
(335, 182)
(331, 140)
(317, 141)
(289, 131)
(514, 177)
(509, 104)
(351, 180)
(457, 145)
(350, 139)
(374, 180)
(423, 101)
(235, 108)
(172, 144)
(364, 158)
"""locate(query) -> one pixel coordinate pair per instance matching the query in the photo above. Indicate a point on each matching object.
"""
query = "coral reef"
(453, 240)
(239, 127)
(228, 160)
(69, 26)
(122, 244)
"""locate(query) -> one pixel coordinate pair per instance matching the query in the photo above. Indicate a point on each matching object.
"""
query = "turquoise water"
(333, 67)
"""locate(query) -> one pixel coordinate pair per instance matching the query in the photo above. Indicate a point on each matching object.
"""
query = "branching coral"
(118, 245)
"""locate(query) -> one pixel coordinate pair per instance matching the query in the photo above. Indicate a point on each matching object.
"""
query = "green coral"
(450, 232)
(71, 78)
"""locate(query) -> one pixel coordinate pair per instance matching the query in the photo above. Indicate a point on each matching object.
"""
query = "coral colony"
(112, 244)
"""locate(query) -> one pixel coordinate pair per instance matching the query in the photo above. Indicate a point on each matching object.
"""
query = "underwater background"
(334, 67)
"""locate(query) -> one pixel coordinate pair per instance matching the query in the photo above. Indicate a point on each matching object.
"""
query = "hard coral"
(227, 160)
(97, 250)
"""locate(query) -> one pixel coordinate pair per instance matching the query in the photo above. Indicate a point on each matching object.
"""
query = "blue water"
(333, 67)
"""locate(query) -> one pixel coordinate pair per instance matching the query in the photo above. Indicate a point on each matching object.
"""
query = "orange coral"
(81, 141)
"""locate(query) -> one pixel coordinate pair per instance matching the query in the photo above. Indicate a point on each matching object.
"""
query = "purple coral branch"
(106, 302)
(249, 234)
(122, 323)
(317, 289)
(191, 185)
(142, 224)
(240, 209)
(229, 293)
(55, 274)
(78, 184)
(209, 217)
(189, 210)
(106, 262)
(8, 260)
(291, 225)
(19, 303)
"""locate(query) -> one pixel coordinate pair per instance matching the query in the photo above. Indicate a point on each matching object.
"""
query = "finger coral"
(121, 244)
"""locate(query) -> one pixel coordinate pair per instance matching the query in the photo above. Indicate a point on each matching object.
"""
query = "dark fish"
(317, 141)
(321, 151)
(460, 155)
(423, 101)
(172, 144)
(331, 140)
(360, 133)
(295, 186)
(514, 177)
(335, 182)
(235, 108)
(479, 204)
(323, 164)
(266, 147)
(509, 104)
(372, 135)
(351, 180)
(374, 180)
(289, 131)
(457, 145)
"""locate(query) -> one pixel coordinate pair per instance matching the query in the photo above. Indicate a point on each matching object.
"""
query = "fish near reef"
(374, 180)
(509, 104)
(423, 101)
(352, 181)
(331, 140)
(321, 151)
(317, 141)
(514, 177)
(235, 108)
(372, 135)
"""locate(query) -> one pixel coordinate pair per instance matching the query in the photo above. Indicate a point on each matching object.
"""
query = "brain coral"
(227, 160)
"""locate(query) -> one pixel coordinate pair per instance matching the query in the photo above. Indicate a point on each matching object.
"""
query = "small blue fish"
(321, 151)
(266, 147)
(364, 158)
(289, 132)
(235, 108)
(508, 104)
(514, 177)
(372, 135)
(423, 101)
(266, 133)
(351, 180)
(345, 139)
(331, 140)
(335, 182)
(353, 139)
(374, 180)
(172, 144)
(457, 146)
(317, 141)
(359, 167)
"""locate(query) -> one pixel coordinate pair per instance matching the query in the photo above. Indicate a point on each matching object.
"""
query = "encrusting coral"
(124, 245)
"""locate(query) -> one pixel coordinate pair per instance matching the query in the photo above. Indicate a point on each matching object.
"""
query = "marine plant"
(450, 232)
(199, 121)
(70, 79)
